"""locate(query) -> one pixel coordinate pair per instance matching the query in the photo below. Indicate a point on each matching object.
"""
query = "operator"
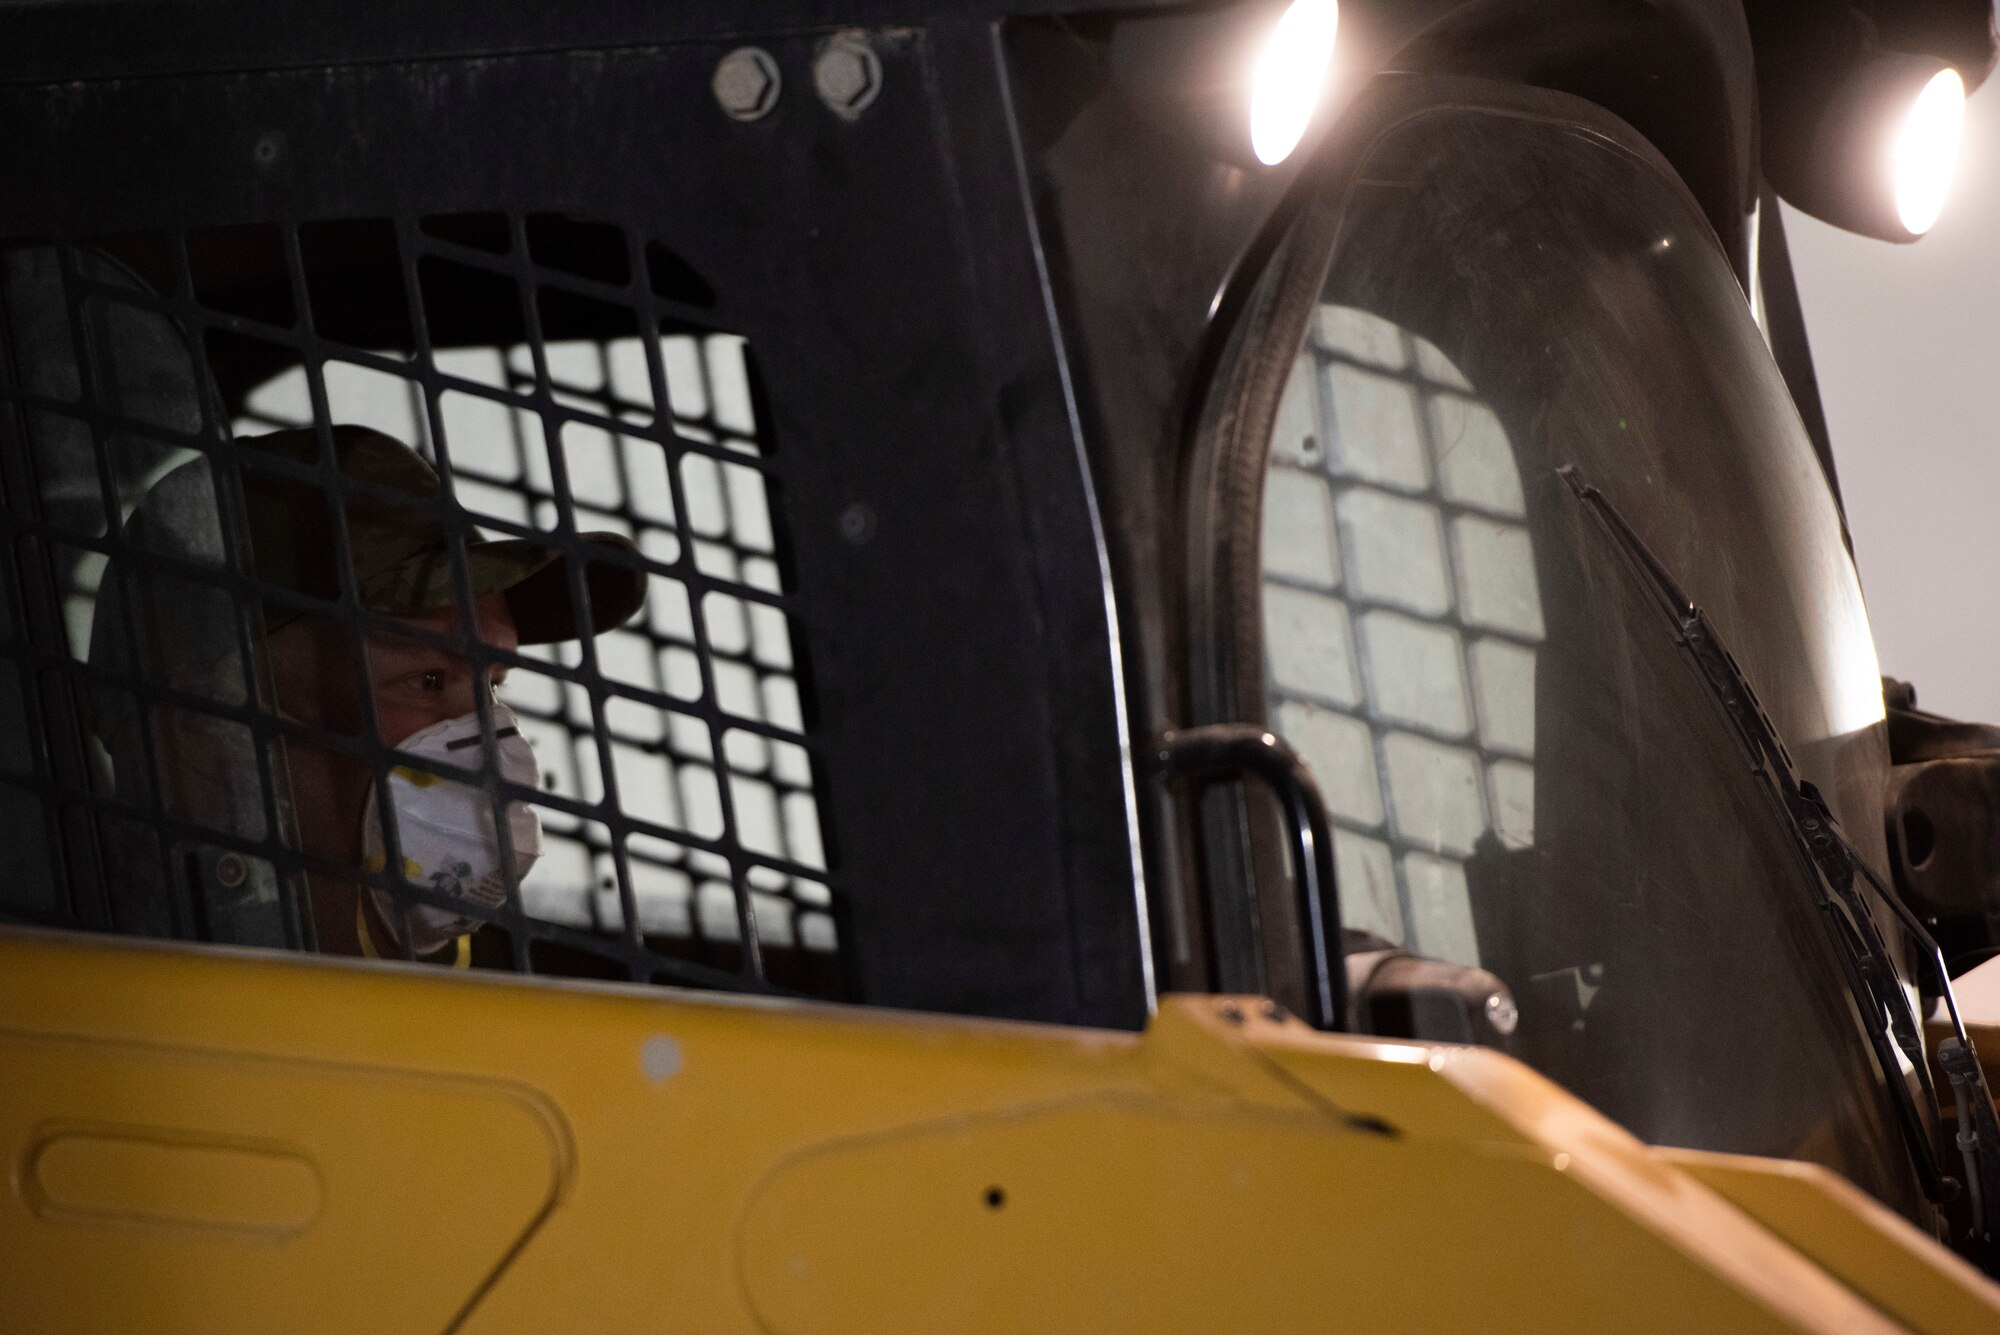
(411, 664)
(426, 692)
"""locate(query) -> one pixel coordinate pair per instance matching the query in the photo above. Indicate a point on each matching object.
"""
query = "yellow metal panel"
(610, 1158)
(168, 1187)
(153, 1176)
(1875, 1252)
(662, 1164)
(1125, 1215)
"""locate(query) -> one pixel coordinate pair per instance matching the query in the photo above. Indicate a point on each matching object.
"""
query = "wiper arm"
(1978, 1124)
(1834, 863)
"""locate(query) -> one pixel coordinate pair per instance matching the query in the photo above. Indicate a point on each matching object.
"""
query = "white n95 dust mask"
(446, 828)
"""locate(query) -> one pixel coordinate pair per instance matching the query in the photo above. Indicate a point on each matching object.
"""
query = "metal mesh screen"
(562, 377)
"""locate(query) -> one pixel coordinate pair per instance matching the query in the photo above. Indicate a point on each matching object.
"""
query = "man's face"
(417, 685)
(414, 685)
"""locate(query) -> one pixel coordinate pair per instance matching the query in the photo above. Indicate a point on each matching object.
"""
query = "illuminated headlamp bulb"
(1926, 150)
(1289, 76)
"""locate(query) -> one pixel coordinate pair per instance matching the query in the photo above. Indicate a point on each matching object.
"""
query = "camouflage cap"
(401, 552)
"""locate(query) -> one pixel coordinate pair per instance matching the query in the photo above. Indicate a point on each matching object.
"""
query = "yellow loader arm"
(212, 1142)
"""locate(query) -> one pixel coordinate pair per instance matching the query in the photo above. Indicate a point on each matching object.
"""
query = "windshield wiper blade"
(1834, 864)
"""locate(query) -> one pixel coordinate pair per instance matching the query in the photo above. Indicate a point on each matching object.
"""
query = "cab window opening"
(562, 460)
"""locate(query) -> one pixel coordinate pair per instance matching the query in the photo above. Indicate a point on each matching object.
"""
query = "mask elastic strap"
(463, 960)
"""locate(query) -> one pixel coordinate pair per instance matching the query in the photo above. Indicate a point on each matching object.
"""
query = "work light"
(1246, 81)
(1926, 150)
(1868, 144)
(1289, 76)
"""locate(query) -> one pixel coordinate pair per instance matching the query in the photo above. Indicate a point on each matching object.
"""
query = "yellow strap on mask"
(463, 960)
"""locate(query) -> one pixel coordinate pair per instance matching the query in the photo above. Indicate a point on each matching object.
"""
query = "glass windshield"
(1525, 772)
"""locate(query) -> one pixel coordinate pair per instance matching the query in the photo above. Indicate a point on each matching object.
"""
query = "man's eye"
(433, 681)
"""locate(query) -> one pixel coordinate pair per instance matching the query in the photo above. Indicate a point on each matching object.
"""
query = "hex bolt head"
(847, 74)
(857, 523)
(746, 83)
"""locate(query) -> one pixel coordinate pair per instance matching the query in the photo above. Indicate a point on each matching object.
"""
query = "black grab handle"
(1228, 750)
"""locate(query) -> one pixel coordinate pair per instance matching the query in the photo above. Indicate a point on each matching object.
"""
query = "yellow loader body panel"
(219, 1142)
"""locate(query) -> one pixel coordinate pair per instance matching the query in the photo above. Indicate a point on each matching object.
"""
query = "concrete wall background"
(1906, 340)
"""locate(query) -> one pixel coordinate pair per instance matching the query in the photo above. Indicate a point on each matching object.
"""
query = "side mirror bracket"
(1941, 808)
